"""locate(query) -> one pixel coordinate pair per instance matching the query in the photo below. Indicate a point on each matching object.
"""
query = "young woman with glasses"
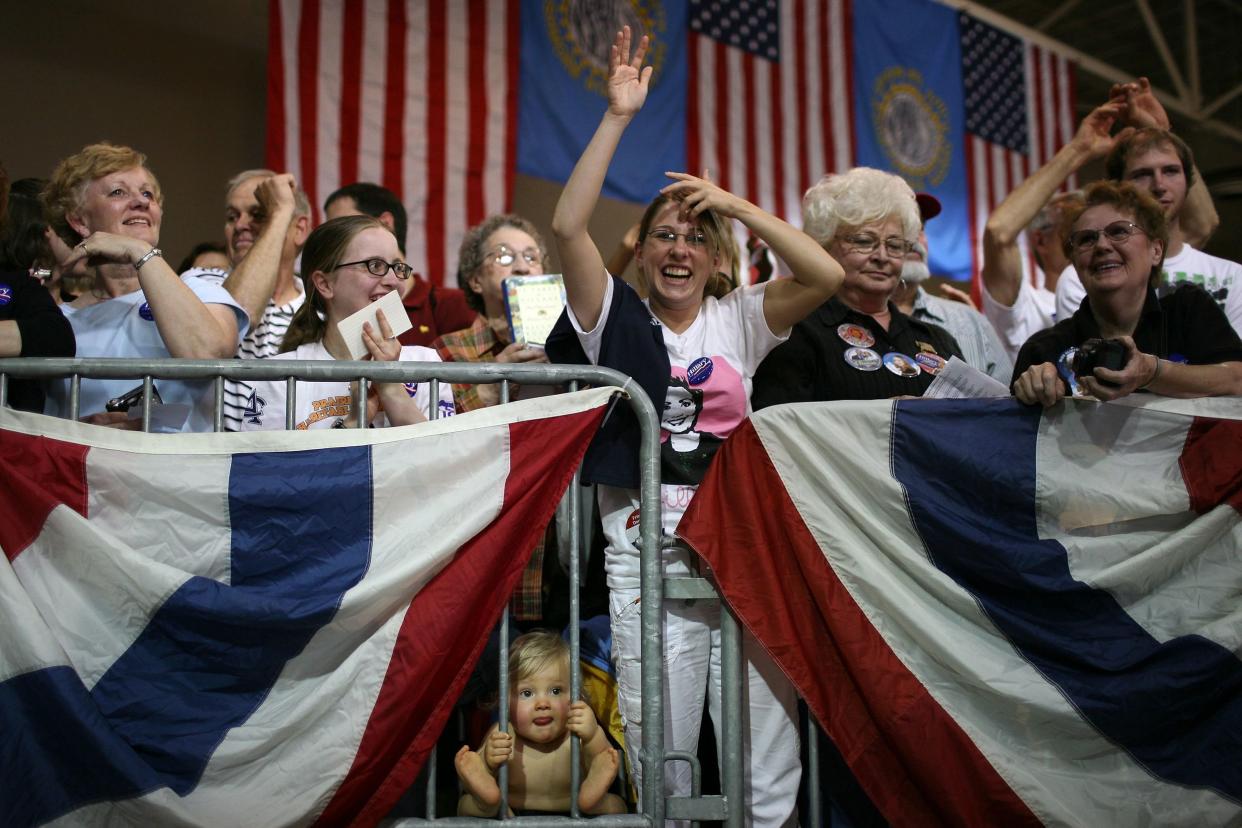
(682, 343)
(858, 345)
(347, 264)
(1177, 341)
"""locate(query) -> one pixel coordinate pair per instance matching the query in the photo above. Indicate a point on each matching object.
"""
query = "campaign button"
(901, 365)
(929, 362)
(144, 310)
(864, 359)
(856, 335)
(699, 371)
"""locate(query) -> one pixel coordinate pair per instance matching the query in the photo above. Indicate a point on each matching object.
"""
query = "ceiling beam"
(1087, 63)
(1222, 100)
(1056, 14)
(1162, 49)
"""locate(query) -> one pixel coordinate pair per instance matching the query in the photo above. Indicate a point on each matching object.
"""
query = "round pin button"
(901, 365)
(855, 335)
(699, 371)
(864, 359)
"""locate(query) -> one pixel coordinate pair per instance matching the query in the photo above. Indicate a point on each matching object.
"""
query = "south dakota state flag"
(1000, 616)
(262, 629)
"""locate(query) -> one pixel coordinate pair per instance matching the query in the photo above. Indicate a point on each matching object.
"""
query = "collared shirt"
(981, 348)
(824, 360)
(477, 343)
(1186, 325)
(434, 311)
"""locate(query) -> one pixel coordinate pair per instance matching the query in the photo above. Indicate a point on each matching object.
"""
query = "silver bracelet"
(150, 254)
(1154, 375)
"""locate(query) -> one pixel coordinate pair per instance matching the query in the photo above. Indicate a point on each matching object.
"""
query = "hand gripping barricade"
(654, 588)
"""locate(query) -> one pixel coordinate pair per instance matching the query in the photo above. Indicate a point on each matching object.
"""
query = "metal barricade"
(726, 807)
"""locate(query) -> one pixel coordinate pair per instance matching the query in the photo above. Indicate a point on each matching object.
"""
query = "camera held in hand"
(1099, 353)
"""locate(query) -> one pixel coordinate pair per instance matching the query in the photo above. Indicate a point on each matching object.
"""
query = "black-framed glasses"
(1116, 232)
(868, 243)
(695, 238)
(379, 268)
(505, 256)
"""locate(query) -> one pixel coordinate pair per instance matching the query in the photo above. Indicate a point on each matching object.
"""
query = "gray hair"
(857, 197)
(301, 201)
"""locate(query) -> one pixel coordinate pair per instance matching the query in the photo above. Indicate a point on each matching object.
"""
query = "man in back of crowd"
(432, 310)
(266, 222)
(980, 347)
(1016, 308)
(1156, 160)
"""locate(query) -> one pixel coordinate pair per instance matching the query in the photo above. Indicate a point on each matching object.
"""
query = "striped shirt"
(263, 340)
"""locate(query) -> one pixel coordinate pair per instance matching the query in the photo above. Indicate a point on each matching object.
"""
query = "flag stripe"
(477, 87)
(394, 98)
(1031, 596)
(437, 135)
(39, 474)
(459, 606)
(899, 743)
(276, 115)
(351, 89)
(308, 100)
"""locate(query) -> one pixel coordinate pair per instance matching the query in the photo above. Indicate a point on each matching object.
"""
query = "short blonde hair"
(67, 187)
(857, 197)
(534, 652)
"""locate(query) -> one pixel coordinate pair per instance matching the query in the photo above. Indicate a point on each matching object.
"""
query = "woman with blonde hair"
(106, 200)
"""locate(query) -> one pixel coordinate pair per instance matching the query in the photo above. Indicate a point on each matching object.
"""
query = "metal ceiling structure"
(1190, 49)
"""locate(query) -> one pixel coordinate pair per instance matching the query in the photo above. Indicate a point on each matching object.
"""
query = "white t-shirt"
(1032, 311)
(125, 327)
(1221, 278)
(712, 363)
(324, 404)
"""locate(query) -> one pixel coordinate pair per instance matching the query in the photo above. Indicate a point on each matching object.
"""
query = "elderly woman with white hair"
(858, 345)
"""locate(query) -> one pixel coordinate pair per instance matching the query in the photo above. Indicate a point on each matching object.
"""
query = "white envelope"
(351, 326)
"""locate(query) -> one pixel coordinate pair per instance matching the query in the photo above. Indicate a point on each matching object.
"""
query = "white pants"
(691, 674)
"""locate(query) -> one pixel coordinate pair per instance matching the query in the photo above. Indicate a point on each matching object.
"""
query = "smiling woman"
(347, 264)
(688, 349)
(1177, 342)
(106, 204)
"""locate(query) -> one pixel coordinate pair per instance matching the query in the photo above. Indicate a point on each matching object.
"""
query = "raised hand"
(1141, 107)
(699, 194)
(1093, 134)
(384, 347)
(628, 79)
(106, 248)
(276, 193)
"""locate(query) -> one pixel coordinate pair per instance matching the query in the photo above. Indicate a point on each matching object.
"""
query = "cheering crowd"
(1129, 305)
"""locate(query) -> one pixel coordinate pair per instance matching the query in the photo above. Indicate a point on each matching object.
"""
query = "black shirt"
(45, 332)
(1185, 325)
(812, 365)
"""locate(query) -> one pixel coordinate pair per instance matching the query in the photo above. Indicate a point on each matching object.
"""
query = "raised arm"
(1002, 261)
(190, 328)
(581, 263)
(816, 275)
(253, 280)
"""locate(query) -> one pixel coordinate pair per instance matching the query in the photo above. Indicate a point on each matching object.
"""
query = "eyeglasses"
(378, 267)
(1116, 232)
(868, 243)
(505, 257)
(695, 238)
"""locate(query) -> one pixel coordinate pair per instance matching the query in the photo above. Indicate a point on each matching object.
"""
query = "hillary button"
(699, 371)
(929, 362)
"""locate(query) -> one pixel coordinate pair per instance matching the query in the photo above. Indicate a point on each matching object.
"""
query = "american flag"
(1019, 111)
(769, 102)
(416, 95)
